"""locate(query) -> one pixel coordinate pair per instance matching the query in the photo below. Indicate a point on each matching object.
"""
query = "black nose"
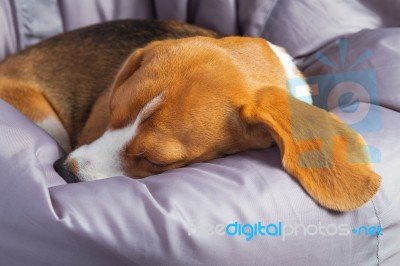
(60, 168)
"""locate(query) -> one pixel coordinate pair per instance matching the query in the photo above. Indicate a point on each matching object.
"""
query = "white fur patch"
(296, 83)
(56, 130)
(101, 158)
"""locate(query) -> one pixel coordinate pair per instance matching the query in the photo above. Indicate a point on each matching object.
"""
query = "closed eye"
(156, 165)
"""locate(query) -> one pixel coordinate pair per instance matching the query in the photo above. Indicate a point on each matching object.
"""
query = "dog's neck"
(98, 120)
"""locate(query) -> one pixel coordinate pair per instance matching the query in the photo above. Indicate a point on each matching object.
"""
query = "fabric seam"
(377, 235)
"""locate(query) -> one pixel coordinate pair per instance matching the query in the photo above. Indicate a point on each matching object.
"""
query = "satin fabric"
(171, 218)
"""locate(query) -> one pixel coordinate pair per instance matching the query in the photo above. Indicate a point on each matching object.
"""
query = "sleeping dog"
(138, 98)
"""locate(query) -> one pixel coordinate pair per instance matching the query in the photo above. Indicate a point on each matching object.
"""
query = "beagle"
(140, 97)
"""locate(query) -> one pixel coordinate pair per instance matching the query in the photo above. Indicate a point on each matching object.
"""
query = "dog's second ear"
(133, 63)
(128, 68)
(327, 157)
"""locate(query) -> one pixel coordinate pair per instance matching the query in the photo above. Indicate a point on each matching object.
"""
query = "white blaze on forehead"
(101, 158)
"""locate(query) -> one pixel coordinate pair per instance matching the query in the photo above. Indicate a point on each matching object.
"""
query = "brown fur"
(83, 62)
(326, 156)
(29, 99)
(235, 111)
(219, 96)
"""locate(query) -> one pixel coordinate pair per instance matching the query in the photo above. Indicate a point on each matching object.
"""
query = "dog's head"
(178, 102)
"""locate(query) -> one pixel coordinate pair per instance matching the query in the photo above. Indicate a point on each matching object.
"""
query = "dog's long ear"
(133, 63)
(129, 67)
(326, 156)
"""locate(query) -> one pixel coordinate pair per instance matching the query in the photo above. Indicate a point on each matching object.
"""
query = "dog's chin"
(139, 173)
(94, 176)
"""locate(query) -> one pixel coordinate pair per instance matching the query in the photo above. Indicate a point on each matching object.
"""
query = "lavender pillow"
(242, 209)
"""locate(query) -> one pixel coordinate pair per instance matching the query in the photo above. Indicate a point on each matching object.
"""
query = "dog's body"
(179, 101)
(65, 75)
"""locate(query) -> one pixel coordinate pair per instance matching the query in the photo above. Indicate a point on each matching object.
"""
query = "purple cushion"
(23, 22)
(176, 217)
(370, 55)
